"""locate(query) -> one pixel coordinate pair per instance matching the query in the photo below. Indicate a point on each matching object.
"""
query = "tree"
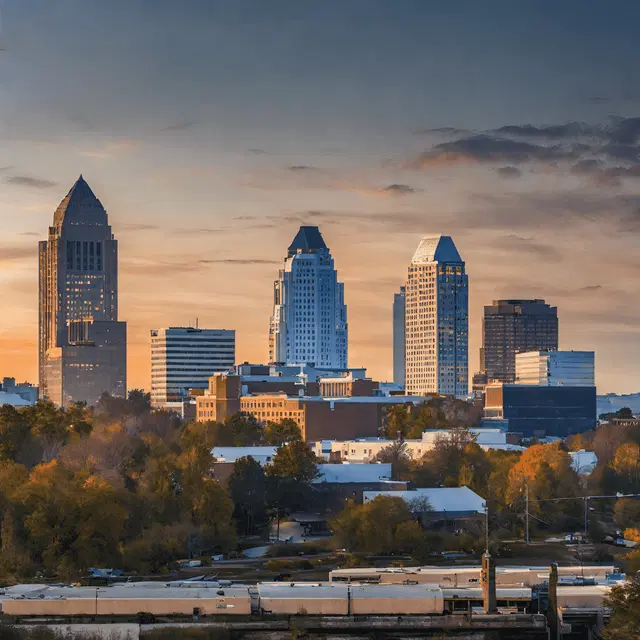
(626, 464)
(279, 433)
(626, 512)
(624, 601)
(397, 455)
(248, 490)
(246, 430)
(384, 525)
(293, 469)
(296, 461)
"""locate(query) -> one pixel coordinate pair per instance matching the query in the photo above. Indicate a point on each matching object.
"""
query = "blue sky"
(211, 130)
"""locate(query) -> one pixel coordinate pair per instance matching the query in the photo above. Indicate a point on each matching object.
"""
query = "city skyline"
(286, 120)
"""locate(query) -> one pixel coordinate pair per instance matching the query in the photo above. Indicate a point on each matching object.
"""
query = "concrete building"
(399, 337)
(513, 326)
(184, 358)
(556, 368)
(365, 450)
(437, 324)
(309, 320)
(24, 390)
(82, 346)
(542, 411)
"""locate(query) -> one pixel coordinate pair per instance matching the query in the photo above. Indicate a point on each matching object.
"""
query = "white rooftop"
(231, 454)
(342, 473)
(436, 249)
(441, 499)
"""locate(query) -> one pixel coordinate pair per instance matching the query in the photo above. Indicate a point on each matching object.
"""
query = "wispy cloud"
(29, 181)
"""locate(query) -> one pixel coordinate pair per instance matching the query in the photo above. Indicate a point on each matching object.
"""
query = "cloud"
(179, 126)
(112, 148)
(485, 148)
(238, 261)
(9, 254)
(302, 167)
(508, 172)
(28, 181)
(188, 231)
(31, 234)
(570, 130)
(625, 131)
(521, 244)
(398, 189)
(591, 287)
(128, 226)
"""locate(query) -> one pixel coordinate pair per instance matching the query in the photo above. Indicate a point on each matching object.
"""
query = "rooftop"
(80, 205)
(344, 473)
(307, 239)
(441, 499)
(436, 249)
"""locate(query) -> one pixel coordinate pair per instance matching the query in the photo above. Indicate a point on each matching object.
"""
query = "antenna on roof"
(197, 322)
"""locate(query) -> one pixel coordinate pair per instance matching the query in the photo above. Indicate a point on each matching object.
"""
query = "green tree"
(14, 432)
(294, 460)
(624, 602)
(248, 490)
(279, 433)
(246, 430)
(397, 455)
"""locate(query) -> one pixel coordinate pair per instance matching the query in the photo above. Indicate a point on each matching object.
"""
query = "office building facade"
(437, 320)
(309, 320)
(556, 368)
(399, 337)
(184, 358)
(515, 326)
(82, 346)
(541, 411)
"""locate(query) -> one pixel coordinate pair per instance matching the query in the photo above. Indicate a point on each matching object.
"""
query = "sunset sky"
(210, 130)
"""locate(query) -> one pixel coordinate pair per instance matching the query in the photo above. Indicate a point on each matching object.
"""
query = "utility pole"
(526, 512)
(486, 527)
(586, 516)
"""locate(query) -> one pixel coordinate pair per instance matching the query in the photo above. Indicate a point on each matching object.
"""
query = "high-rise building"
(184, 358)
(556, 368)
(515, 326)
(309, 320)
(399, 358)
(82, 346)
(437, 320)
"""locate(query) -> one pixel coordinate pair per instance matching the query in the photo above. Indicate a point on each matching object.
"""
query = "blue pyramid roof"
(308, 239)
(80, 203)
(436, 249)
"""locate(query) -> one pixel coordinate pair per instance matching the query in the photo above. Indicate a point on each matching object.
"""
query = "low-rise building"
(25, 390)
(540, 411)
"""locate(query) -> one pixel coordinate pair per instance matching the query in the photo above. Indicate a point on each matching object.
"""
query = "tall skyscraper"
(515, 326)
(399, 358)
(184, 358)
(437, 320)
(82, 346)
(309, 321)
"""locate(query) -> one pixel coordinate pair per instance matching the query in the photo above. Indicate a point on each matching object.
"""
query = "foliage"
(121, 485)
(279, 433)
(438, 412)
(248, 490)
(396, 455)
(626, 512)
(384, 525)
(624, 601)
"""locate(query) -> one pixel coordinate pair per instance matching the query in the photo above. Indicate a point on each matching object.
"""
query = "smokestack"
(552, 611)
(488, 583)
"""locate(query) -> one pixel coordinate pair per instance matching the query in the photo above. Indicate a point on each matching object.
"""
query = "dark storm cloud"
(625, 131)
(508, 172)
(28, 181)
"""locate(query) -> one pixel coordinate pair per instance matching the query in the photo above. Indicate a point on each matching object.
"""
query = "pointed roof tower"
(436, 249)
(307, 239)
(79, 206)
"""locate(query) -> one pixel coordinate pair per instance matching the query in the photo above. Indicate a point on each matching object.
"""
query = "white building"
(309, 321)
(184, 358)
(437, 320)
(399, 338)
(366, 449)
(556, 368)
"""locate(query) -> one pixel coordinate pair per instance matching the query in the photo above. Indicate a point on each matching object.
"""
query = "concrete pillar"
(488, 578)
